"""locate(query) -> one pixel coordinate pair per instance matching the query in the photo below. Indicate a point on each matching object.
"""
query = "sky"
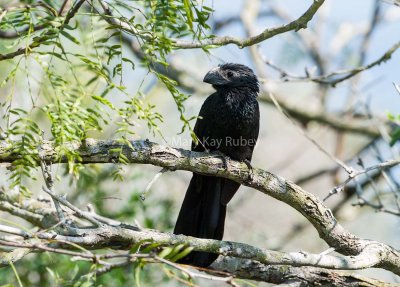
(341, 15)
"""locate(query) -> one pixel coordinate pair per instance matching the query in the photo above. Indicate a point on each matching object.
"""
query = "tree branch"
(296, 25)
(145, 152)
(274, 264)
(362, 126)
(338, 76)
(95, 238)
(71, 13)
(306, 276)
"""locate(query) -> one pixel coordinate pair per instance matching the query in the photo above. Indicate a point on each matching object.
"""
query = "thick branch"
(251, 268)
(362, 126)
(122, 235)
(247, 269)
(145, 152)
(306, 276)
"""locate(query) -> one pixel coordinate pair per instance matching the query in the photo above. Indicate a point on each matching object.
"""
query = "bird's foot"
(224, 162)
(224, 159)
(248, 164)
(250, 167)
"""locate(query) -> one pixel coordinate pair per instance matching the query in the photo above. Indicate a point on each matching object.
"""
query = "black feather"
(229, 123)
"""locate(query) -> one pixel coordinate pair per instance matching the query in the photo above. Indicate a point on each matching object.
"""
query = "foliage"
(79, 89)
(81, 60)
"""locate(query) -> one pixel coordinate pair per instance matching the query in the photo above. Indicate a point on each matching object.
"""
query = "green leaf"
(189, 13)
(182, 254)
(395, 136)
(165, 252)
(70, 37)
(104, 101)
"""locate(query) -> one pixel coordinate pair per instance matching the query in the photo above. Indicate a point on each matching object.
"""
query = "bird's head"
(232, 75)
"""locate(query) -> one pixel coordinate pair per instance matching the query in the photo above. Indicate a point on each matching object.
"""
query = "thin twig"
(268, 33)
(330, 78)
(77, 211)
(14, 231)
(355, 173)
(143, 195)
(347, 168)
(38, 42)
(195, 274)
(48, 179)
(64, 4)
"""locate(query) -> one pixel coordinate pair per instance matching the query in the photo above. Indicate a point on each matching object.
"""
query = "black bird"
(229, 123)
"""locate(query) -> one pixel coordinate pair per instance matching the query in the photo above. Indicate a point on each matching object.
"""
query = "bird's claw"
(250, 167)
(224, 162)
(224, 159)
(248, 164)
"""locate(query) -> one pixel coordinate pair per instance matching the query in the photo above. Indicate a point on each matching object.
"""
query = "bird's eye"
(230, 74)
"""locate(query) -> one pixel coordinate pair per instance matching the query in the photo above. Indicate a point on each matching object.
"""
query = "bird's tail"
(202, 215)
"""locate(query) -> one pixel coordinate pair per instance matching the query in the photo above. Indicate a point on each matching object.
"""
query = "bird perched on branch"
(229, 123)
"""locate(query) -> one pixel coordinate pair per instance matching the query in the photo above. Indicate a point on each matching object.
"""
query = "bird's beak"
(214, 77)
